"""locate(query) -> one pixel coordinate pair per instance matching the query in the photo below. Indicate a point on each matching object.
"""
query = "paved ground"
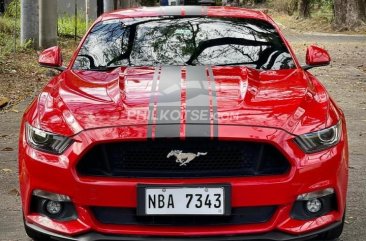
(345, 79)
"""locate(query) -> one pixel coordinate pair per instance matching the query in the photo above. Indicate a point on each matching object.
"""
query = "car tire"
(334, 233)
(36, 236)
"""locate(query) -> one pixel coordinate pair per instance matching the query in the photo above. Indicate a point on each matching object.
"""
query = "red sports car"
(180, 123)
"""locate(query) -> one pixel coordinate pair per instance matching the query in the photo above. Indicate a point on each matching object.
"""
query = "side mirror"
(315, 57)
(51, 58)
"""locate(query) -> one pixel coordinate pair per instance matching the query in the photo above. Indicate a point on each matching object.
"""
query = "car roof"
(210, 11)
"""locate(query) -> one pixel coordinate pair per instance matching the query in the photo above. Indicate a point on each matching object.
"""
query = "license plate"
(198, 200)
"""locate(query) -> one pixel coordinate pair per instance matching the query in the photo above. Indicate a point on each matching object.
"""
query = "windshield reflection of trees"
(184, 41)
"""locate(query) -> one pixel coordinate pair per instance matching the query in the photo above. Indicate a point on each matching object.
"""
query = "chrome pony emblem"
(184, 158)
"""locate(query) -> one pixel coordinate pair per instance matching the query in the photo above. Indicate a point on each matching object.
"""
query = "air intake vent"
(175, 158)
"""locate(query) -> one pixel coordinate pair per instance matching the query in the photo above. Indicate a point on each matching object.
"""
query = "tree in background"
(349, 14)
(304, 8)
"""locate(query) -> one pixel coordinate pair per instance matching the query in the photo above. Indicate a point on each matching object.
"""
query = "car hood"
(169, 96)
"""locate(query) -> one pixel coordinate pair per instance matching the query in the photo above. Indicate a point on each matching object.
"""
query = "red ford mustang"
(183, 123)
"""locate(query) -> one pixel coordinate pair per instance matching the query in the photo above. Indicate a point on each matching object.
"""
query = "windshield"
(183, 41)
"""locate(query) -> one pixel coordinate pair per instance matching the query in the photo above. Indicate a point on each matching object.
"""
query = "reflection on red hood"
(79, 100)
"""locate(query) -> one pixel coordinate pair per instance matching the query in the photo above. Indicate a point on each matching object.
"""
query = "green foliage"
(5, 47)
(7, 25)
(66, 26)
(323, 11)
(10, 31)
(323, 3)
(7, 44)
(13, 9)
(7, 41)
(7, 30)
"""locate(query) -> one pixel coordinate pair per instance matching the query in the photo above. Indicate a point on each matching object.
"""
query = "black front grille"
(127, 216)
(216, 159)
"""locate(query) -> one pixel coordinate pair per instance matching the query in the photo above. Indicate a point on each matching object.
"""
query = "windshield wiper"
(223, 41)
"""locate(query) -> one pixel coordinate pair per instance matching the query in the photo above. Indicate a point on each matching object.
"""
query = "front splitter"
(271, 236)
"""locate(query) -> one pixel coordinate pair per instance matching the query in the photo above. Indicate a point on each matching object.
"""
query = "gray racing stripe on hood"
(198, 102)
(169, 102)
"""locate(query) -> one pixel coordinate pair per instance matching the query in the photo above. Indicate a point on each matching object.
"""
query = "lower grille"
(154, 158)
(127, 216)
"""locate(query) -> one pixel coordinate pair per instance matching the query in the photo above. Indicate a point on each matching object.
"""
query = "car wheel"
(36, 236)
(333, 233)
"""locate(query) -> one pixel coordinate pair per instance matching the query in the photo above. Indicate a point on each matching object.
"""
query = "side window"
(105, 42)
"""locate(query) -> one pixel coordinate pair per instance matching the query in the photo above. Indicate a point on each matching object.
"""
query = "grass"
(66, 26)
(7, 32)
(7, 25)
(8, 28)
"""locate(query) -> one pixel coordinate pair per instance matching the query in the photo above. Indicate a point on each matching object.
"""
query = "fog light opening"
(314, 205)
(317, 194)
(54, 207)
(51, 196)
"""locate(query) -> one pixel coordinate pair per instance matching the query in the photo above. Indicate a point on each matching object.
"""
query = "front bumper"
(57, 174)
(271, 236)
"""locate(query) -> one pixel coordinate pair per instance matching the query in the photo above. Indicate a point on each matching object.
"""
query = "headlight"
(46, 141)
(320, 140)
